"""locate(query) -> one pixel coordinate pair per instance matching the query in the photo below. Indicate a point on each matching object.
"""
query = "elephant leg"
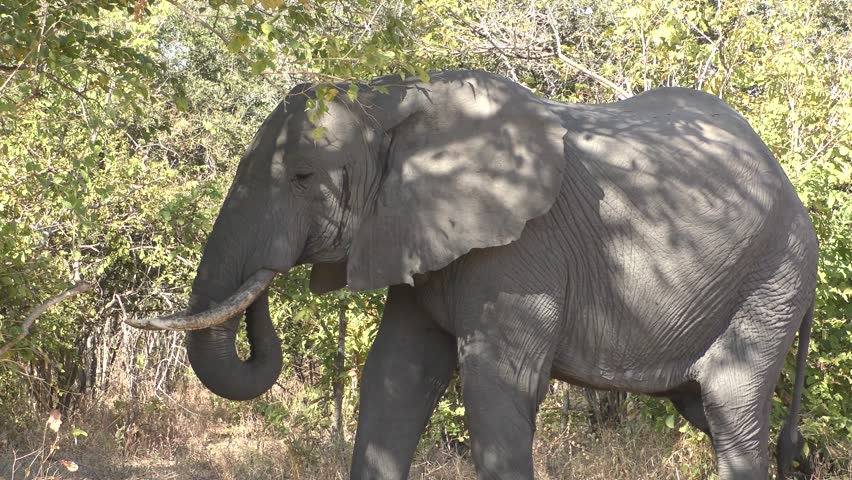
(407, 371)
(738, 417)
(690, 406)
(500, 412)
(737, 377)
(504, 375)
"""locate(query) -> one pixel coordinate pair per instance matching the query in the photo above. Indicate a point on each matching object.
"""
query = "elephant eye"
(301, 177)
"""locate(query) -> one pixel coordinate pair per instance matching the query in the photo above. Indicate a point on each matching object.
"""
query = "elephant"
(652, 245)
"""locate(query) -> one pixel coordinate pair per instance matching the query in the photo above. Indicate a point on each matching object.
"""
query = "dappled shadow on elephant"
(642, 246)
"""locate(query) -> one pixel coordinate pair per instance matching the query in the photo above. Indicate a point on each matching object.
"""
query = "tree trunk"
(339, 375)
(566, 406)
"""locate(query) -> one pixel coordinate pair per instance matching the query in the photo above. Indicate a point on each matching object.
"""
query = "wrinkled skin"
(652, 245)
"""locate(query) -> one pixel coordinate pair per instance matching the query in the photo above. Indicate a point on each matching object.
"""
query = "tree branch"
(15, 68)
(512, 51)
(78, 288)
(619, 92)
(206, 25)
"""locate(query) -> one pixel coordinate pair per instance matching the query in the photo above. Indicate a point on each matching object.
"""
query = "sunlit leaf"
(69, 465)
(54, 420)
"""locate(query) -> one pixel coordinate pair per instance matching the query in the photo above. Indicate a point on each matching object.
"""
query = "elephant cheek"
(283, 250)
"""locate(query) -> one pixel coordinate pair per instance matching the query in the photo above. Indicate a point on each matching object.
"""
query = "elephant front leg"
(501, 402)
(505, 369)
(407, 371)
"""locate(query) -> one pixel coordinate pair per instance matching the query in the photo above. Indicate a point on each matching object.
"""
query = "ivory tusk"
(234, 305)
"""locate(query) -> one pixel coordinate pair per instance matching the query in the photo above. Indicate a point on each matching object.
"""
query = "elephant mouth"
(220, 313)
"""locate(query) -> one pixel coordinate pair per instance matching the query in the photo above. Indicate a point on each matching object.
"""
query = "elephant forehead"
(334, 130)
(478, 96)
(334, 144)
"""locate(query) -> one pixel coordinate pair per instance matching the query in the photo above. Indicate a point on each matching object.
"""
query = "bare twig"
(484, 32)
(619, 92)
(80, 94)
(78, 288)
(15, 68)
(535, 45)
(305, 74)
(834, 140)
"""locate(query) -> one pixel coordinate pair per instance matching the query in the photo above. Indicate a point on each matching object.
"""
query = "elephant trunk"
(212, 331)
(240, 259)
(222, 286)
(213, 355)
(219, 299)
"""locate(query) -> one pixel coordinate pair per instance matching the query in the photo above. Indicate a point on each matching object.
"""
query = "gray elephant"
(652, 245)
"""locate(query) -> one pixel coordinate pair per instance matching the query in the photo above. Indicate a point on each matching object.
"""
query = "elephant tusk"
(234, 305)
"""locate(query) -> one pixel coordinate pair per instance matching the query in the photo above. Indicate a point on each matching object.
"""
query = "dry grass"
(198, 436)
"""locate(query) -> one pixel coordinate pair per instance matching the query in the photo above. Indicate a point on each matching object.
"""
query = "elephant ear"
(470, 157)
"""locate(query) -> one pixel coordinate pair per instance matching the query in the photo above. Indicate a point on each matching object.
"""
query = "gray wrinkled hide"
(651, 245)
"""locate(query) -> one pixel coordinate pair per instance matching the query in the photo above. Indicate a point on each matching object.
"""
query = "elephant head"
(407, 178)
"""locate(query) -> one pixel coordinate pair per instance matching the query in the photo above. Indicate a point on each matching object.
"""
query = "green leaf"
(318, 133)
(352, 92)
(181, 103)
(670, 421)
(258, 66)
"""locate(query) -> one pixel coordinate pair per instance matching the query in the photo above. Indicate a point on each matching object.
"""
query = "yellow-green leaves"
(352, 91)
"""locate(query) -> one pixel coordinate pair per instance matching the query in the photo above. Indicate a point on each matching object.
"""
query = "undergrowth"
(285, 434)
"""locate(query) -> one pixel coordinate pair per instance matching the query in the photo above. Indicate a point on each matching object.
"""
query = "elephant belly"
(641, 335)
(641, 376)
(642, 330)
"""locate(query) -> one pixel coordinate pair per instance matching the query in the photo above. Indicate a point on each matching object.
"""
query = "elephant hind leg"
(737, 378)
(738, 373)
(737, 413)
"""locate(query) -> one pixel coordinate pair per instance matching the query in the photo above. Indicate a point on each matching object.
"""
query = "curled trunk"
(213, 355)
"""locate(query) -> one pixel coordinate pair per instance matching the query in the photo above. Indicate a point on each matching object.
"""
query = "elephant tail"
(790, 440)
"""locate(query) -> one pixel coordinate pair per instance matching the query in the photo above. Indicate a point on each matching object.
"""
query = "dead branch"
(620, 92)
(78, 288)
(505, 49)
